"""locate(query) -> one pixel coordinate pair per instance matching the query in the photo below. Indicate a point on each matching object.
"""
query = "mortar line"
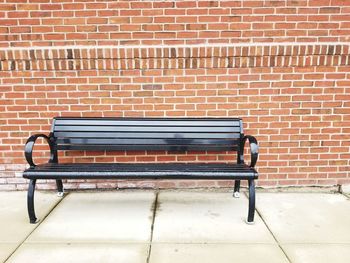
(152, 226)
(36, 226)
(274, 237)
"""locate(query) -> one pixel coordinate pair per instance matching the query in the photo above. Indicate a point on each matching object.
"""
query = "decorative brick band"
(180, 57)
(173, 63)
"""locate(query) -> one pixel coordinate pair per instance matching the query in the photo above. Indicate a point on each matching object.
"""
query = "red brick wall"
(283, 66)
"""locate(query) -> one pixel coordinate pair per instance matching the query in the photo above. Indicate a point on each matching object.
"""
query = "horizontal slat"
(146, 129)
(143, 167)
(150, 122)
(141, 175)
(142, 170)
(147, 135)
(171, 141)
(174, 148)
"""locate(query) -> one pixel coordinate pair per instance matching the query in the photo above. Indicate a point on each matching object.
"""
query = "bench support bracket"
(59, 188)
(251, 210)
(236, 188)
(30, 201)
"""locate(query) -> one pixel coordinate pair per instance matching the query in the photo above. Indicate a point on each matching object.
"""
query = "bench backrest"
(168, 134)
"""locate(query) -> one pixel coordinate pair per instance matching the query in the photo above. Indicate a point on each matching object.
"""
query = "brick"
(18, 14)
(74, 21)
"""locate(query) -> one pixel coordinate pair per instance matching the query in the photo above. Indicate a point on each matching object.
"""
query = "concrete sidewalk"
(175, 226)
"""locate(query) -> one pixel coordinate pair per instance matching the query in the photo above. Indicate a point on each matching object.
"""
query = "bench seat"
(141, 170)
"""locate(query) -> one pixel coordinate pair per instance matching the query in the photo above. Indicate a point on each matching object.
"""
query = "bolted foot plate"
(60, 194)
(34, 221)
(236, 195)
(249, 223)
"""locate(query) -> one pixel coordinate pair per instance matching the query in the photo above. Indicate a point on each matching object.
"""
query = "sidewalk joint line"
(36, 226)
(274, 237)
(346, 195)
(155, 204)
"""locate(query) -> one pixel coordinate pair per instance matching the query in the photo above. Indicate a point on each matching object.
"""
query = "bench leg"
(236, 189)
(251, 210)
(59, 188)
(30, 201)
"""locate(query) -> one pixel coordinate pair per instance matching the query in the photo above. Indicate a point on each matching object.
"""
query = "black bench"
(168, 134)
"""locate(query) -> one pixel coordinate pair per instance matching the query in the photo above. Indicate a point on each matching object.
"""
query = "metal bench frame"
(134, 134)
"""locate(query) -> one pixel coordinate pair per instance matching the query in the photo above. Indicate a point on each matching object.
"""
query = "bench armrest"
(28, 149)
(254, 149)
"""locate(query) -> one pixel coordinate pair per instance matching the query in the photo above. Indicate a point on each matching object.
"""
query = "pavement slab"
(58, 253)
(223, 253)
(124, 216)
(14, 221)
(346, 189)
(306, 217)
(6, 249)
(318, 253)
(206, 217)
(189, 227)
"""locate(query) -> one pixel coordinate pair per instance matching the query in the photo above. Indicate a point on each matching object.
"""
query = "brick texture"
(101, 22)
(283, 66)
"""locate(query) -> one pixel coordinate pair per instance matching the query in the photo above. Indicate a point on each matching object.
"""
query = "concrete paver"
(318, 253)
(99, 217)
(346, 189)
(6, 249)
(206, 217)
(189, 226)
(14, 221)
(306, 218)
(223, 253)
(58, 253)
